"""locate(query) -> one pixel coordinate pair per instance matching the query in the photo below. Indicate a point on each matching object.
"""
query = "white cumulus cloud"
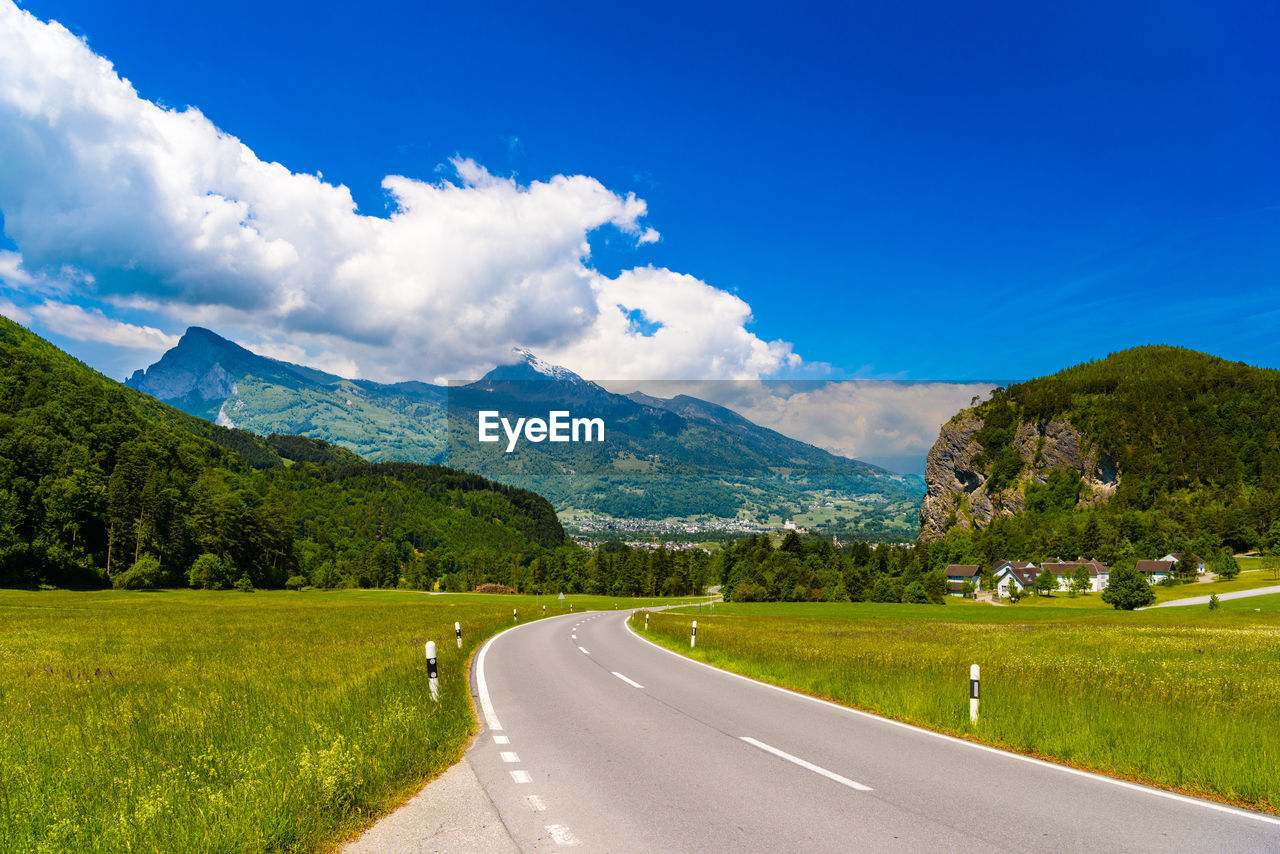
(889, 423)
(14, 312)
(83, 324)
(156, 208)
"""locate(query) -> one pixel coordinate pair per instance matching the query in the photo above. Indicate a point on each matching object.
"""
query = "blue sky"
(915, 191)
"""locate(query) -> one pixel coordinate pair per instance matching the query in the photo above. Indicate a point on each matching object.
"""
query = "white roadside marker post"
(693, 636)
(973, 693)
(457, 630)
(432, 674)
(646, 621)
(514, 618)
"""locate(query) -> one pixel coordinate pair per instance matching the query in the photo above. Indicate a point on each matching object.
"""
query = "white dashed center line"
(562, 835)
(510, 756)
(830, 775)
(521, 776)
(535, 803)
(631, 682)
(584, 652)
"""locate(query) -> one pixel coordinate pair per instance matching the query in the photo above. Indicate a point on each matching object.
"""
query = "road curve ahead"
(597, 740)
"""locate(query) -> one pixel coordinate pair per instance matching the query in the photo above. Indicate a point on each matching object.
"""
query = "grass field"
(1180, 697)
(226, 722)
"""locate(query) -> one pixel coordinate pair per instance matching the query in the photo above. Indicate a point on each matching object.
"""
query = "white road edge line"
(584, 652)
(631, 682)
(535, 803)
(521, 776)
(510, 756)
(501, 739)
(782, 754)
(1124, 784)
(482, 687)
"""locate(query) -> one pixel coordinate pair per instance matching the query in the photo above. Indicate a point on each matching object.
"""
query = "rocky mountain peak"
(192, 370)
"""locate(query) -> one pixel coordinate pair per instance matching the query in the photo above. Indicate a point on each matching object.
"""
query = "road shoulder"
(451, 813)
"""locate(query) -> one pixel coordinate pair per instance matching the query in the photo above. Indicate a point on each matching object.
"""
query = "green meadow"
(228, 722)
(1182, 698)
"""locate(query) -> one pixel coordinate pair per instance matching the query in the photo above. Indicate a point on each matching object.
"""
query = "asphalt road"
(1204, 600)
(596, 739)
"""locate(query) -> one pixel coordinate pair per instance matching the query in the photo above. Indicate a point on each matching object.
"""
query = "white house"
(1016, 573)
(1099, 573)
(1155, 570)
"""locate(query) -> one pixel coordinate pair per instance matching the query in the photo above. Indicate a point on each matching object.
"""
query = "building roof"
(1069, 567)
(963, 570)
(1025, 573)
(1016, 564)
(1154, 566)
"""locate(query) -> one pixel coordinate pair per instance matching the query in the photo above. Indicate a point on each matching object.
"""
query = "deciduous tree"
(1128, 590)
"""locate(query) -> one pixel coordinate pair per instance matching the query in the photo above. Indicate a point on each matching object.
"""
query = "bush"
(888, 589)
(145, 574)
(244, 585)
(210, 572)
(915, 594)
(295, 582)
(748, 592)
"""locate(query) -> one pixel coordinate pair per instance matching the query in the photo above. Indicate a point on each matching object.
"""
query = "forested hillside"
(1171, 449)
(95, 478)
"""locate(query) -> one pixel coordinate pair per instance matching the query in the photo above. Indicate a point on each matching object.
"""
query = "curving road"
(1222, 597)
(596, 739)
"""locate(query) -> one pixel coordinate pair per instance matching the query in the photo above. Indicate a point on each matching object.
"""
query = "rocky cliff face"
(190, 372)
(958, 495)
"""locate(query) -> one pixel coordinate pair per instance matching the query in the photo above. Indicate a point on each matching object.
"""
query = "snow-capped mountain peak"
(542, 366)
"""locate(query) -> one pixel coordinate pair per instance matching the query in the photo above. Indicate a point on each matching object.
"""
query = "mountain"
(526, 366)
(208, 376)
(663, 458)
(1144, 452)
(95, 476)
